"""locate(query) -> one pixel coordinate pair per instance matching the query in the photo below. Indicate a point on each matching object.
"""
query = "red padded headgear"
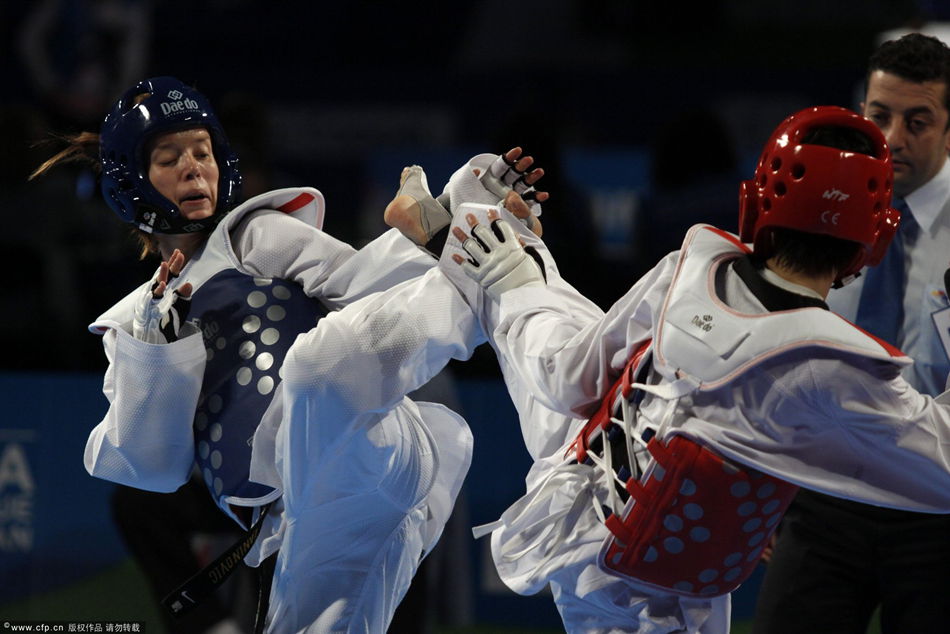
(819, 189)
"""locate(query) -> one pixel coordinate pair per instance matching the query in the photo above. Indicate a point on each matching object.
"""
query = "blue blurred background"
(645, 116)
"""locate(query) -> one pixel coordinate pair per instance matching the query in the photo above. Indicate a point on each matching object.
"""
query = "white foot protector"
(427, 217)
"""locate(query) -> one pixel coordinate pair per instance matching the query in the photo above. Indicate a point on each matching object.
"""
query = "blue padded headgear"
(169, 105)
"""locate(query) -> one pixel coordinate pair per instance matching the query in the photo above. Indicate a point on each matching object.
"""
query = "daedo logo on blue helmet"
(151, 107)
(178, 104)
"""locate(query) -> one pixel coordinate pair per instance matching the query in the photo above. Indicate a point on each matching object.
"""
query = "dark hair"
(818, 253)
(840, 137)
(914, 57)
(812, 253)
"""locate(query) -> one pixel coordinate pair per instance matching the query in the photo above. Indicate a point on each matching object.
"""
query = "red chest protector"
(695, 524)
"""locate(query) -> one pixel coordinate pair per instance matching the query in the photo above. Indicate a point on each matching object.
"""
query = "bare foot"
(413, 211)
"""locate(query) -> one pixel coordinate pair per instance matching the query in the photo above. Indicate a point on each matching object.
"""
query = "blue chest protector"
(248, 324)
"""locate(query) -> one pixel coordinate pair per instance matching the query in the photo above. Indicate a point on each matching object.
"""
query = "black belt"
(201, 585)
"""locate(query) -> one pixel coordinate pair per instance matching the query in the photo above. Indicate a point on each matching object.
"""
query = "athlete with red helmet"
(670, 432)
(718, 385)
(809, 187)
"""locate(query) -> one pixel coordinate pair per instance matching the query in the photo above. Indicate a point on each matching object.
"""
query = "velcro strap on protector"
(696, 523)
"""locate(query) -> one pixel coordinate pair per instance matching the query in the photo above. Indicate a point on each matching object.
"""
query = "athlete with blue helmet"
(154, 107)
(349, 500)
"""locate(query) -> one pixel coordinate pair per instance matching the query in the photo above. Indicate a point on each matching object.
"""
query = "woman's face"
(183, 170)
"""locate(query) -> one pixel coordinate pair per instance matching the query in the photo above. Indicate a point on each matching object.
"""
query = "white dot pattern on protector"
(255, 320)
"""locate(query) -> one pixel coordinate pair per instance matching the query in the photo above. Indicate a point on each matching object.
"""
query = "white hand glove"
(502, 176)
(496, 177)
(501, 263)
(159, 319)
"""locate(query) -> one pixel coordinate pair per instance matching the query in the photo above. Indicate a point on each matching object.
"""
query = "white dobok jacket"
(800, 394)
(161, 417)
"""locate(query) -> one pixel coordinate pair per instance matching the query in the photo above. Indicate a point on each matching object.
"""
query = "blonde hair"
(84, 148)
(80, 148)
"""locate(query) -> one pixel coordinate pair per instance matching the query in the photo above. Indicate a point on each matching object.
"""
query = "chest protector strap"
(603, 420)
(695, 523)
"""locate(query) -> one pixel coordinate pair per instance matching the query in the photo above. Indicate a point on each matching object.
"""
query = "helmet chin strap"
(154, 220)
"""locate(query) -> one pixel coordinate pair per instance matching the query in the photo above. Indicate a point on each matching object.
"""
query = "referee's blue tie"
(881, 308)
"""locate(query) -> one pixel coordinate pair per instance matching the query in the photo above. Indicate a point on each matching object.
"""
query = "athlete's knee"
(317, 354)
